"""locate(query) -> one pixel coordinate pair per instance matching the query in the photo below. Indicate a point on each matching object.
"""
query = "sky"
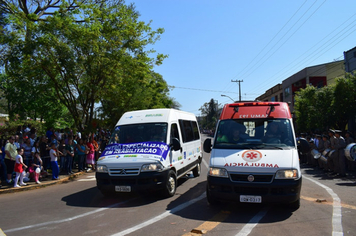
(211, 43)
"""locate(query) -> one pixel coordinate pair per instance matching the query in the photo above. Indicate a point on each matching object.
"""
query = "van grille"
(124, 171)
(257, 178)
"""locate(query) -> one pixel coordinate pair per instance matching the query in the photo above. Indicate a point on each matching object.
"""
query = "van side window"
(195, 130)
(174, 131)
(189, 130)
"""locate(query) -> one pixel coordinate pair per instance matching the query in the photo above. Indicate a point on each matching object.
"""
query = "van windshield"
(255, 133)
(135, 133)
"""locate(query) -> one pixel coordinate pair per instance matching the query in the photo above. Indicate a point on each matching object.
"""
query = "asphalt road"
(328, 207)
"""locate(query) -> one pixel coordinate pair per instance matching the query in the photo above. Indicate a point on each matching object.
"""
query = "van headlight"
(287, 174)
(101, 169)
(152, 167)
(218, 172)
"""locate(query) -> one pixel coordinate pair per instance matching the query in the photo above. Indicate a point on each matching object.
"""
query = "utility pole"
(238, 81)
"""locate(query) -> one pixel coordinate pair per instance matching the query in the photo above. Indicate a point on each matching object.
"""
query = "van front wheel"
(171, 184)
(196, 170)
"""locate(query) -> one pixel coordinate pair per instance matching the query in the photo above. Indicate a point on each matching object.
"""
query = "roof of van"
(154, 116)
(248, 110)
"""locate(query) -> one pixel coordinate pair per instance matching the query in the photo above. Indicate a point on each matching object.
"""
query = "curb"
(42, 184)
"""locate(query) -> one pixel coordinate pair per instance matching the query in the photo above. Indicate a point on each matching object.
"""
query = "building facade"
(350, 60)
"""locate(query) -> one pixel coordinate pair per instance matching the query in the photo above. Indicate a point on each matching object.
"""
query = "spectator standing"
(27, 151)
(44, 152)
(35, 148)
(82, 151)
(341, 160)
(10, 158)
(32, 139)
(54, 163)
(17, 142)
(58, 134)
(96, 148)
(62, 154)
(333, 157)
(49, 134)
(2, 161)
(70, 156)
(20, 166)
(90, 155)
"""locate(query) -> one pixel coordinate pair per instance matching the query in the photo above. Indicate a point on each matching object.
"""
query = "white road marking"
(89, 178)
(246, 230)
(160, 217)
(67, 219)
(206, 164)
(337, 215)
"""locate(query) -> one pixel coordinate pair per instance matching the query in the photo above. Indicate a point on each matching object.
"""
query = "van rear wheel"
(171, 184)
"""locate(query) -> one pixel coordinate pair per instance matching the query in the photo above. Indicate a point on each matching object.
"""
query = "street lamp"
(223, 95)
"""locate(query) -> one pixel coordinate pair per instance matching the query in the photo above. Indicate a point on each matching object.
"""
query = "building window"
(287, 92)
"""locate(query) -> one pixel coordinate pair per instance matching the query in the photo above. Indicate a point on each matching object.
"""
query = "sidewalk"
(47, 181)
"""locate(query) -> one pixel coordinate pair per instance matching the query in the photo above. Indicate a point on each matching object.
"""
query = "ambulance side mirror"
(207, 145)
(303, 146)
(175, 144)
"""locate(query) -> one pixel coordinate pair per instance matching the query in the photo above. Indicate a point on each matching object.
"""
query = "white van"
(150, 149)
(254, 156)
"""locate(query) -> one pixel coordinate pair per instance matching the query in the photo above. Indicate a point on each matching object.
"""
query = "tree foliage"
(79, 54)
(332, 106)
(210, 112)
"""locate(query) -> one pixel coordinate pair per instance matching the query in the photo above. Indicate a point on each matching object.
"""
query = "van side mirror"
(207, 145)
(175, 144)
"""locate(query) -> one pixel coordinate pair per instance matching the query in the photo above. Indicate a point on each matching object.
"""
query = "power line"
(317, 52)
(271, 39)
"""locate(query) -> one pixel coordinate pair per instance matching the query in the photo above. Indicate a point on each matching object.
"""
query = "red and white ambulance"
(254, 156)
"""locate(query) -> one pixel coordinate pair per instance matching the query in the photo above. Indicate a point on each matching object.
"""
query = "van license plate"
(251, 199)
(123, 188)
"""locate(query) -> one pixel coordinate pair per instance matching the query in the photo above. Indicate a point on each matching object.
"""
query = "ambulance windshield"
(255, 133)
(136, 133)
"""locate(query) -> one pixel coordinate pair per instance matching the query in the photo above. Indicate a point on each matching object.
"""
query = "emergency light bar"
(250, 104)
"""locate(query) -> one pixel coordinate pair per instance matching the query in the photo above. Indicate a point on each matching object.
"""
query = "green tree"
(87, 53)
(210, 112)
(344, 102)
(328, 107)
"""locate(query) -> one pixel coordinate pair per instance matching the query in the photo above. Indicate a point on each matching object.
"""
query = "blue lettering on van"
(152, 148)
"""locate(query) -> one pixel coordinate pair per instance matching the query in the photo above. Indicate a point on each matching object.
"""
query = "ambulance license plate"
(123, 188)
(251, 199)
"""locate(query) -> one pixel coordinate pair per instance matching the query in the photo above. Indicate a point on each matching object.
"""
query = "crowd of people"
(27, 156)
(327, 152)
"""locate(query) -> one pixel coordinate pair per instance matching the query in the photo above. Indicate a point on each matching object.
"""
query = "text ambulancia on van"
(150, 149)
(254, 157)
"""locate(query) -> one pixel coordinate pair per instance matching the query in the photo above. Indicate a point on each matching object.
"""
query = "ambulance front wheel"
(171, 184)
(211, 200)
(295, 205)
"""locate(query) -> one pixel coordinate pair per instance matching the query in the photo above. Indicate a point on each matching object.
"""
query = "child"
(19, 168)
(36, 167)
(54, 163)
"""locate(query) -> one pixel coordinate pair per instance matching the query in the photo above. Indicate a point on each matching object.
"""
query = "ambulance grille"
(257, 178)
(124, 171)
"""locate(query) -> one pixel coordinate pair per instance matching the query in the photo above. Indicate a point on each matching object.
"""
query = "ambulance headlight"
(101, 169)
(287, 174)
(152, 167)
(218, 172)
